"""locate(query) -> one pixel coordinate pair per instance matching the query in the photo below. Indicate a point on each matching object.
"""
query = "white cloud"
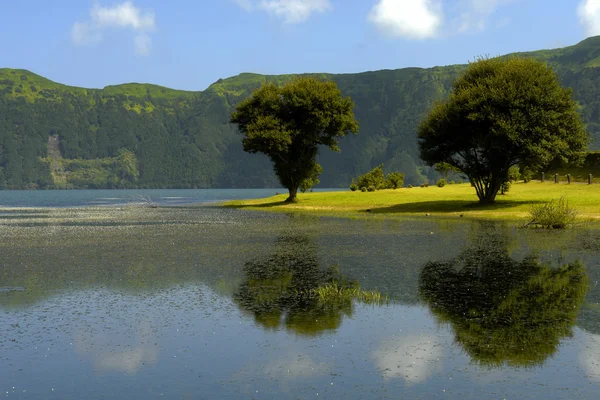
(414, 19)
(290, 11)
(413, 358)
(124, 16)
(589, 16)
(426, 19)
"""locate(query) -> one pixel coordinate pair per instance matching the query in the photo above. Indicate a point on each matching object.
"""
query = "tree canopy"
(503, 112)
(290, 122)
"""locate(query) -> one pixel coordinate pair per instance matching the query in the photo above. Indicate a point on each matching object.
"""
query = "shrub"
(363, 189)
(552, 215)
(424, 185)
(353, 186)
(526, 175)
(409, 186)
(451, 183)
(375, 178)
(460, 181)
(441, 183)
(395, 180)
(513, 174)
(505, 187)
(371, 188)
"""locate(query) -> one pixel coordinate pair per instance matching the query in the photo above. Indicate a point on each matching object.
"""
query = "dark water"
(208, 303)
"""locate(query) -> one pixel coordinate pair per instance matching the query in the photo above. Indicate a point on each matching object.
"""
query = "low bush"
(353, 186)
(377, 178)
(441, 183)
(395, 180)
(374, 178)
(505, 187)
(553, 215)
(424, 185)
(409, 186)
(371, 188)
(363, 189)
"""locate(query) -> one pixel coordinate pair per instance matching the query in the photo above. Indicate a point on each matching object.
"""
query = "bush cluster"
(553, 215)
(377, 180)
(441, 183)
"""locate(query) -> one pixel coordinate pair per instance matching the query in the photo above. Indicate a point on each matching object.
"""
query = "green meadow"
(450, 201)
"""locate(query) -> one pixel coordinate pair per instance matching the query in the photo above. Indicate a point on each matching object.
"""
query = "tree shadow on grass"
(449, 206)
(260, 205)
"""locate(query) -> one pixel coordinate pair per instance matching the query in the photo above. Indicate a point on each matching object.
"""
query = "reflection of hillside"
(279, 290)
(503, 310)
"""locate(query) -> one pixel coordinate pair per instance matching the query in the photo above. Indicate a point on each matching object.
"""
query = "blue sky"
(188, 44)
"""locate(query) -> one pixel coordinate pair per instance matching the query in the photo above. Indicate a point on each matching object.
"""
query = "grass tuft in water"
(335, 293)
(553, 215)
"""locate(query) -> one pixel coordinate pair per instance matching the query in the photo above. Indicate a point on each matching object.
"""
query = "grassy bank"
(450, 201)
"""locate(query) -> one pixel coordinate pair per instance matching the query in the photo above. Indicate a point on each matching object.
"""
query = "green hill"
(183, 139)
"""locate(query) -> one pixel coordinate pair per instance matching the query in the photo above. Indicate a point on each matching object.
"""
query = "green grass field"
(450, 201)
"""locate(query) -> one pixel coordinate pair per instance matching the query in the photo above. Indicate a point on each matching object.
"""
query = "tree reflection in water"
(280, 289)
(504, 311)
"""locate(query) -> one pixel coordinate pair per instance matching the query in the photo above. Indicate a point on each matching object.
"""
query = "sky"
(189, 44)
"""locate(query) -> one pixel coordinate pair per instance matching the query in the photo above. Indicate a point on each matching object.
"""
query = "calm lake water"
(201, 302)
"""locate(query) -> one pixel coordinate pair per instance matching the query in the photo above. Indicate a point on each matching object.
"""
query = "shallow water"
(204, 302)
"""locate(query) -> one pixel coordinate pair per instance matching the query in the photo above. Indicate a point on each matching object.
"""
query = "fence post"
(569, 178)
(589, 179)
(543, 176)
(555, 178)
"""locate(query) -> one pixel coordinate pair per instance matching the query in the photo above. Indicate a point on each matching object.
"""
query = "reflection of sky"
(208, 348)
(589, 356)
(296, 367)
(413, 358)
(113, 354)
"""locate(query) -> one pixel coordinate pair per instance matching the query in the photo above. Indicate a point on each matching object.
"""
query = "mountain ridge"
(183, 138)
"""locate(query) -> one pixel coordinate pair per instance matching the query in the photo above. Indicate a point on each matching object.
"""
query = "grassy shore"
(450, 201)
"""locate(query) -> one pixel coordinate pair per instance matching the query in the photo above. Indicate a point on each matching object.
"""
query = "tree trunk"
(293, 192)
(489, 193)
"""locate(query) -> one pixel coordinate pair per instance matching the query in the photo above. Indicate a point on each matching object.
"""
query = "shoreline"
(453, 201)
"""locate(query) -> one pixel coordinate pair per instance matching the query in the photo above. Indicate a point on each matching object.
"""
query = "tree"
(312, 180)
(289, 123)
(443, 168)
(503, 112)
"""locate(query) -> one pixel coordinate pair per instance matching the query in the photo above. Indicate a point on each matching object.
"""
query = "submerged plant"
(552, 215)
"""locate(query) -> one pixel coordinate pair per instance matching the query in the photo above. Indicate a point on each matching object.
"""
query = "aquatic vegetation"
(553, 215)
(334, 292)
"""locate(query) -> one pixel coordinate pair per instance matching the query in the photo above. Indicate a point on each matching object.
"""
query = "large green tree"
(290, 122)
(503, 112)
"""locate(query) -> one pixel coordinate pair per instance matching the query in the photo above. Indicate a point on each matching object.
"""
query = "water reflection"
(116, 354)
(414, 357)
(279, 290)
(504, 311)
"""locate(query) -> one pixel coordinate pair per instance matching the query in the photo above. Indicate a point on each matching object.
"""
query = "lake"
(190, 300)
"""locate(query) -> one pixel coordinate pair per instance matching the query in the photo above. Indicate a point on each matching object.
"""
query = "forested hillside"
(140, 135)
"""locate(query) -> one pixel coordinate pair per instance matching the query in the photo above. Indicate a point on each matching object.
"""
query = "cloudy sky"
(188, 44)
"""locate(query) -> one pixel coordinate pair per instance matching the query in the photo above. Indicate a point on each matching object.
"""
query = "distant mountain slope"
(183, 139)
